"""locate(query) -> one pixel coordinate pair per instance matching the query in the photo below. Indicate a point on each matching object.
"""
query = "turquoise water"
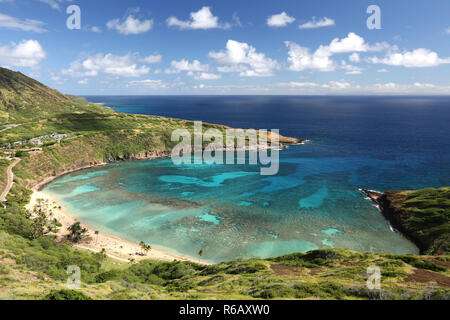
(228, 211)
(379, 143)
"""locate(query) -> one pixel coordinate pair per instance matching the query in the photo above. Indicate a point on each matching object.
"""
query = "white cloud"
(184, 65)
(131, 25)
(351, 43)
(354, 57)
(344, 87)
(424, 85)
(280, 20)
(109, 64)
(300, 58)
(28, 53)
(244, 59)
(202, 19)
(389, 86)
(350, 69)
(83, 81)
(96, 29)
(382, 70)
(318, 23)
(151, 59)
(147, 83)
(56, 78)
(295, 84)
(412, 59)
(207, 76)
(9, 22)
(55, 4)
(447, 31)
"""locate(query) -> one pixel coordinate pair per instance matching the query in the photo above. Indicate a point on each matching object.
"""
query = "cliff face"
(422, 216)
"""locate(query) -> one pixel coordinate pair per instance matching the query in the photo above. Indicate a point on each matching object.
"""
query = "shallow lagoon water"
(314, 202)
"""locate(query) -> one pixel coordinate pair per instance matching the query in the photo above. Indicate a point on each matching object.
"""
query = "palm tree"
(200, 253)
(77, 232)
(96, 233)
(145, 247)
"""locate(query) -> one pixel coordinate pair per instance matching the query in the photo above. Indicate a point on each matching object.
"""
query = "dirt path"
(10, 126)
(10, 179)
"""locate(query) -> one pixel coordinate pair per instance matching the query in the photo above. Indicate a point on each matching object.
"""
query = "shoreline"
(116, 247)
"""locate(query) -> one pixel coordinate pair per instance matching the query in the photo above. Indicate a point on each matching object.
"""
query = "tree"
(200, 253)
(96, 233)
(145, 247)
(39, 225)
(77, 232)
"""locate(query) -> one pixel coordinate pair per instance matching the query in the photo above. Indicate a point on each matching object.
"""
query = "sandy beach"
(115, 247)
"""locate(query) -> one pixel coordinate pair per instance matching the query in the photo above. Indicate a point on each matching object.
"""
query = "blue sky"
(230, 47)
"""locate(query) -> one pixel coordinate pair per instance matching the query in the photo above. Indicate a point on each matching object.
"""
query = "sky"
(178, 47)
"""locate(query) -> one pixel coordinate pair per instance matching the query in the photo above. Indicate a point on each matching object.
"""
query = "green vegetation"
(67, 295)
(77, 233)
(3, 166)
(33, 265)
(23, 99)
(423, 215)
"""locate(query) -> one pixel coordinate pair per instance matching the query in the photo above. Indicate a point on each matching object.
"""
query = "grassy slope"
(423, 215)
(30, 268)
(23, 99)
(3, 177)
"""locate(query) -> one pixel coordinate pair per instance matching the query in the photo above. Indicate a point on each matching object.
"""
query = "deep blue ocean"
(380, 143)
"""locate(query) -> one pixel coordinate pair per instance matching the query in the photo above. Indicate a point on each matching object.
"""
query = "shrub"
(66, 294)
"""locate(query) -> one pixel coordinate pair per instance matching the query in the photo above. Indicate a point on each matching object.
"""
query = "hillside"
(423, 216)
(23, 99)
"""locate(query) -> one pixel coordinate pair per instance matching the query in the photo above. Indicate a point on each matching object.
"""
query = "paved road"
(10, 179)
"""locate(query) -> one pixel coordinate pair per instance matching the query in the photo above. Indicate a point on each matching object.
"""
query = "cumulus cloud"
(447, 31)
(9, 22)
(28, 53)
(354, 57)
(207, 76)
(130, 25)
(201, 19)
(243, 58)
(350, 69)
(109, 64)
(151, 59)
(318, 23)
(184, 65)
(411, 59)
(280, 20)
(300, 58)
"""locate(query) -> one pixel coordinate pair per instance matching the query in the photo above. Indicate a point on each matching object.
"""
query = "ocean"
(231, 211)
